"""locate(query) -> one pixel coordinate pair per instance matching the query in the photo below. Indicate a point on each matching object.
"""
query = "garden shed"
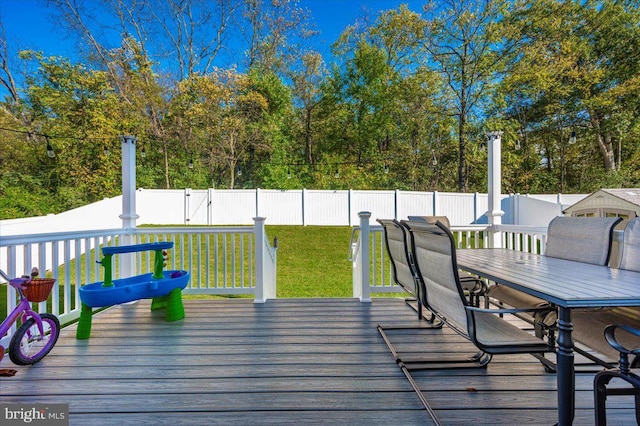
(624, 203)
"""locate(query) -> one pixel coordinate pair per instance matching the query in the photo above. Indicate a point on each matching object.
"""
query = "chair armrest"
(479, 288)
(609, 334)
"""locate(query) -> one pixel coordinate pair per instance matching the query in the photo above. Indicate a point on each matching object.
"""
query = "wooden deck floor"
(303, 361)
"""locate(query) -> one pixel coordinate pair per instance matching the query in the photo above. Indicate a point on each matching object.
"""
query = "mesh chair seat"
(515, 298)
(495, 335)
(588, 326)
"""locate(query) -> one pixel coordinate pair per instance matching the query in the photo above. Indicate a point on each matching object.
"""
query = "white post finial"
(494, 161)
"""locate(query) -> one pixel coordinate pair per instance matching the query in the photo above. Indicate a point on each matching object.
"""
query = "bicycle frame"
(22, 310)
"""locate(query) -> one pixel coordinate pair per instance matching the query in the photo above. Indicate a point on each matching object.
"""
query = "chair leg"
(478, 359)
(600, 397)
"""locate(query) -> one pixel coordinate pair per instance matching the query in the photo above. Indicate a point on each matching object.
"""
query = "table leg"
(565, 368)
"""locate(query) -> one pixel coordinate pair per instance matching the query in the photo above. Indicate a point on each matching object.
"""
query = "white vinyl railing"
(221, 261)
(530, 239)
(374, 274)
(372, 271)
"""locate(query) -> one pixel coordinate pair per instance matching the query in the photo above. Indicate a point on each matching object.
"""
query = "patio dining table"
(564, 283)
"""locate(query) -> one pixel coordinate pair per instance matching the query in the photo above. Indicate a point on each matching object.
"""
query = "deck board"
(313, 361)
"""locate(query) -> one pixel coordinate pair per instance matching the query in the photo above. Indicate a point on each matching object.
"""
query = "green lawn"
(312, 261)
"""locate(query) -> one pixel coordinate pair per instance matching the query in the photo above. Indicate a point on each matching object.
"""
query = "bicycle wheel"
(28, 345)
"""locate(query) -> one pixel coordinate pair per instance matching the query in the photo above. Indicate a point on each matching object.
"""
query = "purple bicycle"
(38, 333)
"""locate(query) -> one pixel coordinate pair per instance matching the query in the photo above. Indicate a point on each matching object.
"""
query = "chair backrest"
(582, 239)
(431, 219)
(396, 240)
(434, 256)
(630, 258)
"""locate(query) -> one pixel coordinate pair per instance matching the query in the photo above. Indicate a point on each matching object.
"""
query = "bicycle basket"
(38, 289)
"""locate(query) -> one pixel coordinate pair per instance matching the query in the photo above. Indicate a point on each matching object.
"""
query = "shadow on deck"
(300, 361)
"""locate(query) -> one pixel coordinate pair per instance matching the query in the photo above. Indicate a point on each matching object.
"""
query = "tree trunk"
(603, 140)
(461, 156)
(165, 149)
(308, 152)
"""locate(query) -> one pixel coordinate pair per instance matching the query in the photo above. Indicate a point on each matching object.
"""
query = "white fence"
(293, 207)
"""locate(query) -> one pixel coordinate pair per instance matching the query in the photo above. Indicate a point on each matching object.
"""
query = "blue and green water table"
(164, 287)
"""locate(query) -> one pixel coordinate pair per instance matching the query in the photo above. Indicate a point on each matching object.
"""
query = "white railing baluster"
(215, 260)
(66, 254)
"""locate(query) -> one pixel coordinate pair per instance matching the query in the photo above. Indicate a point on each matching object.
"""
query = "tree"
(274, 31)
(463, 40)
(73, 109)
(192, 33)
(186, 36)
(577, 74)
(307, 90)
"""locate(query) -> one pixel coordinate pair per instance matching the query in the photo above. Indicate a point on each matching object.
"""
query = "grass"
(312, 261)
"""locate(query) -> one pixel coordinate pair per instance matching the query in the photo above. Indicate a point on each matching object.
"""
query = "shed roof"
(631, 195)
(628, 198)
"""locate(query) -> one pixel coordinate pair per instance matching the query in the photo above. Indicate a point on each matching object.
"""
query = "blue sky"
(28, 26)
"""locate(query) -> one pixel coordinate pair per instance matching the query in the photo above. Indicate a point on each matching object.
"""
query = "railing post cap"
(259, 219)
(364, 214)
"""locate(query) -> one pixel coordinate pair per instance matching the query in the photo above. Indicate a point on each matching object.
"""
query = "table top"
(563, 282)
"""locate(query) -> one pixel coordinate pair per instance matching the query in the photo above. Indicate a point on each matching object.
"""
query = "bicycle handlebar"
(18, 282)
(15, 282)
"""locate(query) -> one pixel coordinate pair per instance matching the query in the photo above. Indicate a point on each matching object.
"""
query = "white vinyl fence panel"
(159, 207)
(281, 207)
(409, 203)
(233, 206)
(325, 207)
(461, 209)
(381, 205)
(292, 207)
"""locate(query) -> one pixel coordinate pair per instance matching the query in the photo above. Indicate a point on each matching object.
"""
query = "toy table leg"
(159, 302)
(175, 308)
(173, 304)
(84, 323)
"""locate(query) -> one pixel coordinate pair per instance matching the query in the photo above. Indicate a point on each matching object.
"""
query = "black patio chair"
(443, 294)
(396, 241)
(623, 372)
(398, 244)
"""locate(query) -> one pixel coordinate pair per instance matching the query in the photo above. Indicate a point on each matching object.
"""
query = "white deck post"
(495, 213)
(128, 216)
(265, 284)
(361, 285)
